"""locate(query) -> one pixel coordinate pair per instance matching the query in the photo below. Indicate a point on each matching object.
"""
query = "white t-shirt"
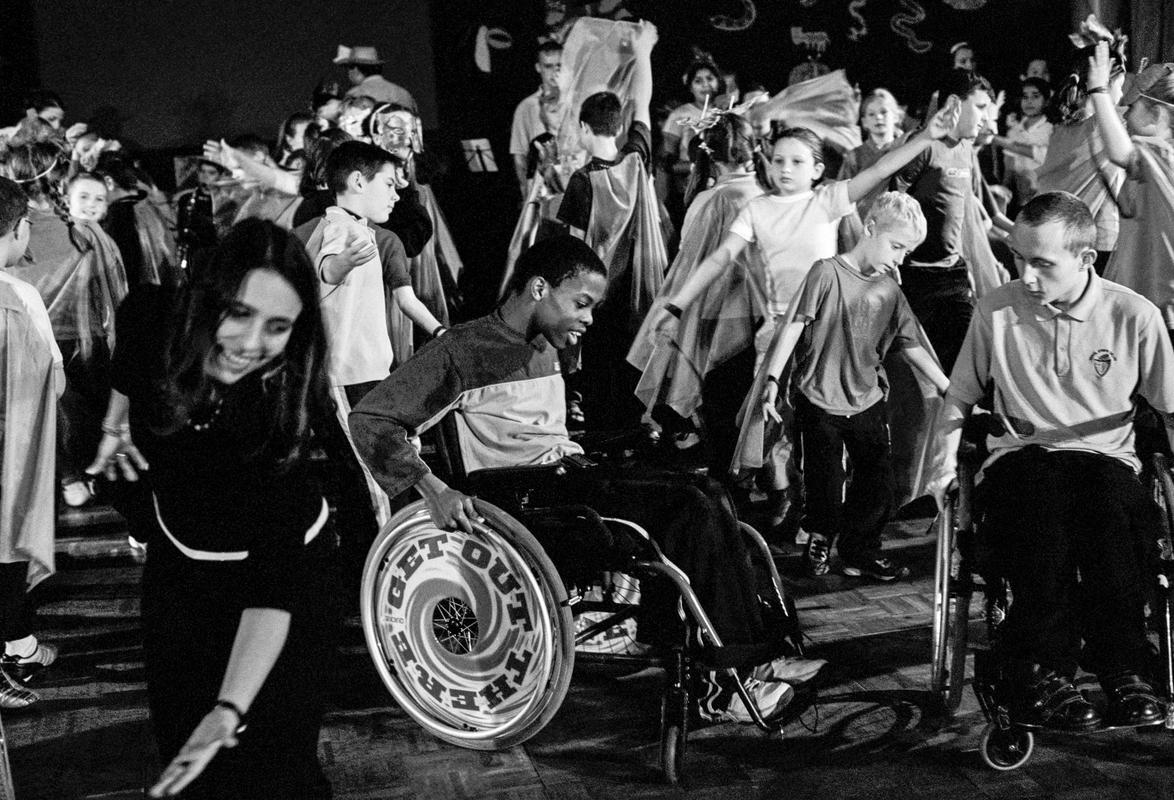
(791, 233)
(354, 312)
(1021, 170)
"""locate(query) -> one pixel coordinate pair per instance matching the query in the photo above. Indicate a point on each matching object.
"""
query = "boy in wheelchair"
(500, 375)
(1065, 354)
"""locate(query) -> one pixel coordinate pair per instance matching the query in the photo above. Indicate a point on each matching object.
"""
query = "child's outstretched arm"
(707, 271)
(924, 363)
(1118, 145)
(415, 310)
(642, 43)
(779, 358)
(939, 127)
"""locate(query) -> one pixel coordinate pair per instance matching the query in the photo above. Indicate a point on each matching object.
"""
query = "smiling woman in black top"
(217, 385)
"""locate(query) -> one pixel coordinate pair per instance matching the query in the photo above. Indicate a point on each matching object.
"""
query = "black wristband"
(242, 719)
(673, 309)
(771, 379)
(439, 329)
(1096, 89)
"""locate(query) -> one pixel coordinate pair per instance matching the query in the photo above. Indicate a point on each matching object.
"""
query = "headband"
(42, 174)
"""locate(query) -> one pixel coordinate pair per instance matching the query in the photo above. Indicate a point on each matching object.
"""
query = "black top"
(575, 209)
(409, 219)
(120, 223)
(212, 495)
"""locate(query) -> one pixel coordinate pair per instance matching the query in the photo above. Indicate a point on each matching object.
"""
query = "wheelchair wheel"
(471, 633)
(672, 753)
(1005, 749)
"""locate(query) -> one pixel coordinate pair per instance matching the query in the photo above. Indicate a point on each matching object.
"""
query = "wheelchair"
(1005, 744)
(476, 634)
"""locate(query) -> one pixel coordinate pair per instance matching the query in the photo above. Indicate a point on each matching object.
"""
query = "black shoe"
(882, 569)
(1131, 700)
(1050, 700)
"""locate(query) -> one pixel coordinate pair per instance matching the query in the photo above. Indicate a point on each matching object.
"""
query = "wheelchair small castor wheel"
(672, 753)
(1006, 749)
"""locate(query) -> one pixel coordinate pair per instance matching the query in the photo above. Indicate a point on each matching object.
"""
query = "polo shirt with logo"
(1066, 379)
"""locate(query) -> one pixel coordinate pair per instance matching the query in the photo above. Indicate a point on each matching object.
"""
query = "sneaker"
(882, 569)
(76, 494)
(817, 556)
(802, 537)
(13, 696)
(789, 669)
(24, 667)
(771, 697)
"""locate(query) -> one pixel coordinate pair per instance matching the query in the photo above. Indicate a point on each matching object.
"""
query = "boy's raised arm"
(642, 43)
(1118, 145)
(939, 127)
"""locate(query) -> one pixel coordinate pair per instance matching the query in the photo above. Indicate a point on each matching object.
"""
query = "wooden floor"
(870, 734)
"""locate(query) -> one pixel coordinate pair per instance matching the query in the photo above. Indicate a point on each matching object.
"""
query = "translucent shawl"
(913, 406)
(28, 425)
(77, 269)
(1144, 258)
(156, 240)
(1077, 163)
(827, 105)
(720, 324)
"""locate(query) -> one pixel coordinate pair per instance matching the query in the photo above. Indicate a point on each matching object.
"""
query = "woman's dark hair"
(804, 135)
(113, 164)
(294, 387)
(314, 174)
(730, 141)
(1039, 84)
(286, 130)
(699, 65)
(41, 99)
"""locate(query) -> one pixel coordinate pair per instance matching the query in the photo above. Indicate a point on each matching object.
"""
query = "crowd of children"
(777, 326)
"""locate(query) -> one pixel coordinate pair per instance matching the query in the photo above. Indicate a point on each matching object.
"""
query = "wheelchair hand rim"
(410, 526)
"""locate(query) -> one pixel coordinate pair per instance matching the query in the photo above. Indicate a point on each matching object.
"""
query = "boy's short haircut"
(1080, 229)
(14, 205)
(555, 260)
(602, 113)
(353, 156)
(896, 209)
(549, 46)
(962, 83)
(367, 70)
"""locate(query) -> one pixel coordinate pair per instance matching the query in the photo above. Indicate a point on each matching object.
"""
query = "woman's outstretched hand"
(217, 729)
(118, 457)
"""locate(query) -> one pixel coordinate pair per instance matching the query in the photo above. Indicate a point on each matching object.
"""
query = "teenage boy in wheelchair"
(1065, 355)
(500, 375)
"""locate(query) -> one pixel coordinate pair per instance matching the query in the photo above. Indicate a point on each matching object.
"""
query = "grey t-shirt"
(855, 320)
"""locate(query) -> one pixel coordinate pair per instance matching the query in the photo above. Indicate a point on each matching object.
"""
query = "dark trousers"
(1075, 535)
(82, 406)
(859, 515)
(722, 392)
(354, 513)
(191, 612)
(16, 612)
(696, 529)
(940, 297)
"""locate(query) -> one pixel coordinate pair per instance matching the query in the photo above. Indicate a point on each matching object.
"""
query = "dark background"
(166, 74)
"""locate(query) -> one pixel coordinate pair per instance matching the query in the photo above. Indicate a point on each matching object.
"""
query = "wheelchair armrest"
(505, 479)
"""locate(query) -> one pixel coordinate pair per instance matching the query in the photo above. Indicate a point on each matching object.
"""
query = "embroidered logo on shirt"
(956, 172)
(1101, 361)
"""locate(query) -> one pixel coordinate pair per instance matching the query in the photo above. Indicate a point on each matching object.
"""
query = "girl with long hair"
(215, 388)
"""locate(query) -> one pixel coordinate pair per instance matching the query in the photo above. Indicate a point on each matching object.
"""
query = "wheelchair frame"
(473, 634)
(1007, 745)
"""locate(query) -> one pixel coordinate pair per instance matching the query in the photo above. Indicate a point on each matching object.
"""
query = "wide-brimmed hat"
(1141, 83)
(363, 54)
